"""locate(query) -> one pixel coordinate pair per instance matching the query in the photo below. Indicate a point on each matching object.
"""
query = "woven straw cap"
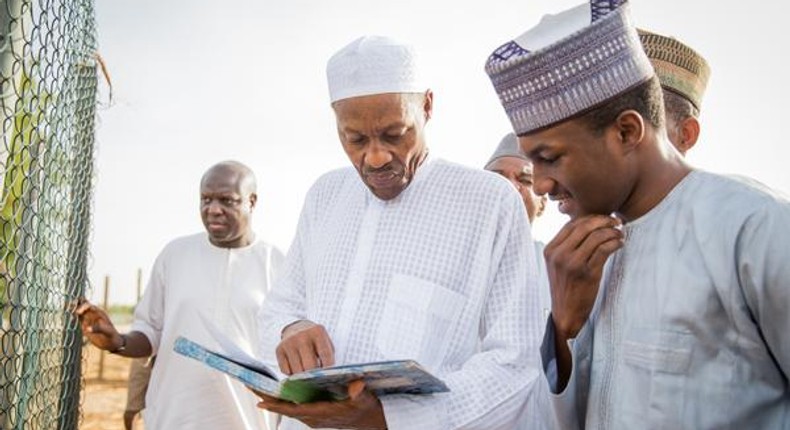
(679, 68)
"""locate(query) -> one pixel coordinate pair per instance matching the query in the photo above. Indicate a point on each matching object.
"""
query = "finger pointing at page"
(305, 345)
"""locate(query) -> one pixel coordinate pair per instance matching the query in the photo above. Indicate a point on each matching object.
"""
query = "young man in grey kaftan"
(673, 312)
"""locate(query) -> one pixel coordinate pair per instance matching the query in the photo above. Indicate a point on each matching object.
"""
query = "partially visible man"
(510, 162)
(405, 257)
(673, 313)
(684, 75)
(139, 376)
(222, 275)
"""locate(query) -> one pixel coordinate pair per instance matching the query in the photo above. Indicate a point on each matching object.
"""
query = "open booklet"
(330, 383)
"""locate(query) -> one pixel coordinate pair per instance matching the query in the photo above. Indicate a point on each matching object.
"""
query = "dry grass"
(104, 398)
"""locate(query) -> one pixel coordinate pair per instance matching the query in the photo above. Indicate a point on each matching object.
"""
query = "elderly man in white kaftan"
(676, 318)
(222, 275)
(407, 258)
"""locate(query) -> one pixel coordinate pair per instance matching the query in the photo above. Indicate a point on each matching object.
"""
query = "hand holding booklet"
(330, 383)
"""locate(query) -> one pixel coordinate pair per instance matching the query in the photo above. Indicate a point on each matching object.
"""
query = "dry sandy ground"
(103, 400)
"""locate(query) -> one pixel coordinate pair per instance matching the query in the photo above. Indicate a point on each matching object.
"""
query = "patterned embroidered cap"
(373, 65)
(568, 64)
(679, 68)
(508, 147)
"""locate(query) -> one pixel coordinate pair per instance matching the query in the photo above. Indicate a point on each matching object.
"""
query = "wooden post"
(102, 353)
(139, 284)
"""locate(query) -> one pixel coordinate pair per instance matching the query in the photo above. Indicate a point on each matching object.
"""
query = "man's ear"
(427, 106)
(541, 205)
(689, 133)
(630, 129)
(253, 200)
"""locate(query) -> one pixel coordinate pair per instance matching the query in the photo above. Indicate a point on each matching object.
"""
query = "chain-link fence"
(48, 78)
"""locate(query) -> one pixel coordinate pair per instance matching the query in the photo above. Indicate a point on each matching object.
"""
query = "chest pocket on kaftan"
(656, 364)
(417, 320)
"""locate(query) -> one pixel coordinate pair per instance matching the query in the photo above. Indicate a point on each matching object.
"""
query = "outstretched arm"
(100, 331)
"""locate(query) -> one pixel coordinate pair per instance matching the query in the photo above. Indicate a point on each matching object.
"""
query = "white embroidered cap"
(373, 65)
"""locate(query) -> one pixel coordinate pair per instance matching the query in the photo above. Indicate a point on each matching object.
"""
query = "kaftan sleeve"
(149, 313)
(763, 256)
(285, 302)
(275, 260)
(569, 407)
(489, 390)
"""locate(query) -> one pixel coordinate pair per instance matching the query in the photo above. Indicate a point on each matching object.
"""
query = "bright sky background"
(196, 82)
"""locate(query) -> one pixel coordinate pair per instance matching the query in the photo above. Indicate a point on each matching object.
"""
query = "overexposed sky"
(196, 82)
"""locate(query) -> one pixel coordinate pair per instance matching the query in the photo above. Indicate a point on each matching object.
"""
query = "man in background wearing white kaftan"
(676, 318)
(221, 275)
(402, 257)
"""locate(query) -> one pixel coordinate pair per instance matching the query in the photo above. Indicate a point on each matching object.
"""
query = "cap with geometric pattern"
(567, 64)
(679, 68)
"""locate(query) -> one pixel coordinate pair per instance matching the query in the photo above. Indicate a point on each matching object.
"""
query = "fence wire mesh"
(48, 81)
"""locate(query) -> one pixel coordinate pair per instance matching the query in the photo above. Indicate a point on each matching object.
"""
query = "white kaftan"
(190, 278)
(535, 414)
(689, 330)
(544, 289)
(444, 274)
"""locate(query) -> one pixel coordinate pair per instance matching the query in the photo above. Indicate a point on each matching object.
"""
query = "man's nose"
(214, 207)
(377, 155)
(542, 183)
